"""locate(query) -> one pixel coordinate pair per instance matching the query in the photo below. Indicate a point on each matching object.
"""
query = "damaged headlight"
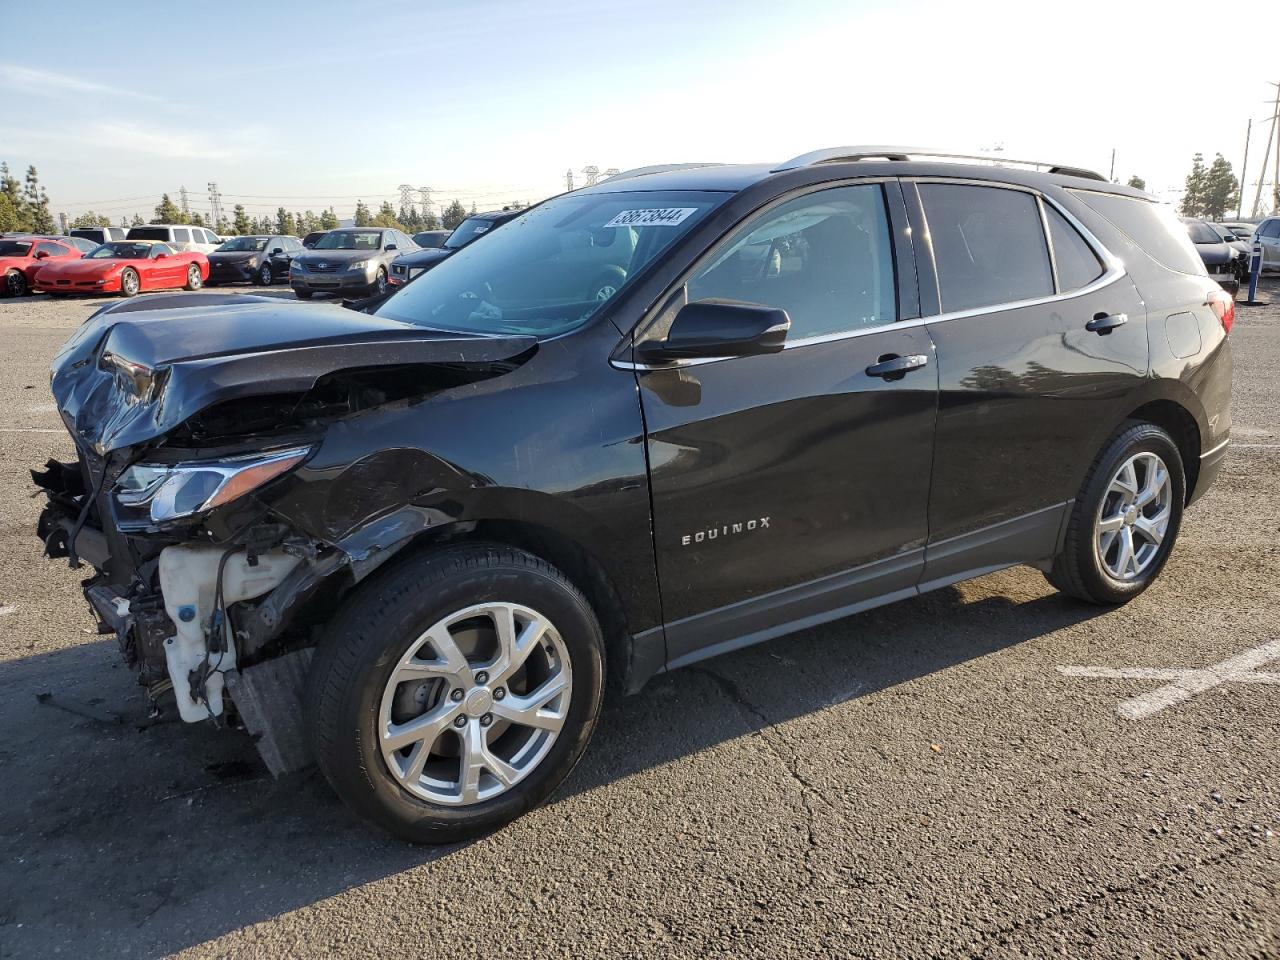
(186, 489)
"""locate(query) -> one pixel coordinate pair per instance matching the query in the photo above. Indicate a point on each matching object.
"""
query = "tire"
(194, 280)
(379, 287)
(263, 278)
(15, 283)
(129, 282)
(1089, 563)
(303, 294)
(354, 690)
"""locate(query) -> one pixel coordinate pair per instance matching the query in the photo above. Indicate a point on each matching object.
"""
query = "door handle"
(1103, 323)
(893, 367)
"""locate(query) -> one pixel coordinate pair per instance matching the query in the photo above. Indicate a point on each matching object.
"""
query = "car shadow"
(120, 834)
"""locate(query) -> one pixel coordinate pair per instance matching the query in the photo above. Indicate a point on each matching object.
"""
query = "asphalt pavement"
(991, 770)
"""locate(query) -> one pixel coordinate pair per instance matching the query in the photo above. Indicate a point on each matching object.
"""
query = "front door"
(1269, 237)
(792, 487)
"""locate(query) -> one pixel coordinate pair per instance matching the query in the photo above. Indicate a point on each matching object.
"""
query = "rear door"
(1041, 341)
(1269, 237)
(789, 486)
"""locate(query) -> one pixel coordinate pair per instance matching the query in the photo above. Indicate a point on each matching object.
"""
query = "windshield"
(551, 268)
(350, 240)
(121, 250)
(468, 230)
(1201, 232)
(239, 244)
(14, 248)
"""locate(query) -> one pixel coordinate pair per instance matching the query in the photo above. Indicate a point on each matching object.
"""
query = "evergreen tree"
(240, 222)
(137, 220)
(386, 216)
(429, 220)
(8, 214)
(91, 219)
(13, 214)
(454, 214)
(36, 202)
(328, 220)
(1220, 189)
(197, 220)
(363, 218)
(1137, 182)
(167, 211)
(1194, 194)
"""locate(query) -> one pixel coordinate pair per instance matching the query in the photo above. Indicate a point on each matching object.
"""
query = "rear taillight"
(1223, 306)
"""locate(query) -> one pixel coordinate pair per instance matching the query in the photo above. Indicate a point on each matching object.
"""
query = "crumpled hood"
(137, 370)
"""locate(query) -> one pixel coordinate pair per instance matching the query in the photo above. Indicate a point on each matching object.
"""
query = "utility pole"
(63, 218)
(568, 180)
(611, 172)
(185, 203)
(215, 204)
(1112, 178)
(1244, 168)
(1275, 114)
(424, 195)
(406, 195)
(592, 173)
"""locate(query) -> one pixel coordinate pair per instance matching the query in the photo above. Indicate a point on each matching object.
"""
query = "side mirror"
(392, 246)
(275, 250)
(720, 328)
(42, 255)
(162, 256)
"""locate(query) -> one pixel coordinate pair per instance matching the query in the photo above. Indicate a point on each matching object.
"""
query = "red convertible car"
(128, 267)
(21, 257)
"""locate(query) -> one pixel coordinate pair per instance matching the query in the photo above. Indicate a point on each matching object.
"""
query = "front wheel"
(1125, 519)
(15, 283)
(264, 277)
(194, 280)
(129, 284)
(380, 283)
(453, 693)
(302, 294)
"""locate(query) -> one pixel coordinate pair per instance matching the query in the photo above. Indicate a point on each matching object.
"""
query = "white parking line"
(31, 430)
(1184, 684)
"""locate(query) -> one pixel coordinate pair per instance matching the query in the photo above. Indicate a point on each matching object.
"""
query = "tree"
(328, 220)
(240, 220)
(1221, 189)
(197, 220)
(8, 214)
(386, 216)
(137, 221)
(1193, 194)
(363, 218)
(1137, 182)
(91, 219)
(167, 211)
(454, 214)
(284, 223)
(429, 219)
(36, 203)
(11, 207)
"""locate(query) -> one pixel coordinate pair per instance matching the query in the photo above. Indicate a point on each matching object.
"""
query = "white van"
(197, 239)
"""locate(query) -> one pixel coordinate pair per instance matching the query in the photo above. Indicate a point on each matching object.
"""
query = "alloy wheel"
(1134, 517)
(130, 282)
(15, 283)
(475, 703)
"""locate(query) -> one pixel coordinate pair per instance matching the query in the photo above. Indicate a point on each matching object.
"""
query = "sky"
(320, 103)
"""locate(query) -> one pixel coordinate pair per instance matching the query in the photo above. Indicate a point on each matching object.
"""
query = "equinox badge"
(727, 530)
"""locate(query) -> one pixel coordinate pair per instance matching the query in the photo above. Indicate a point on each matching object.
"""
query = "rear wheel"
(453, 694)
(15, 283)
(129, 283)
(194, 280)
(1125, 520)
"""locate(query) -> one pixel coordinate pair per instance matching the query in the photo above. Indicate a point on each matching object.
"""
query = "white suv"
(1268, 234)
(195, 239)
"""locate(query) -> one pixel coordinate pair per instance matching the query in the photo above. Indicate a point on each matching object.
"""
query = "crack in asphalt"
(786, 751)
(987, 940)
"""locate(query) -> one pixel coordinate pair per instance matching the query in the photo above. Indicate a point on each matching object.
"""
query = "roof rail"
(843, 154)
(656, 168)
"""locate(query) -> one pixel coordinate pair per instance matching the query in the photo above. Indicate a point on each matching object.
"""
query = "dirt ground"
(919, 780)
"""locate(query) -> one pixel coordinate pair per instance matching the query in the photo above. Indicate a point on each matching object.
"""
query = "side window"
(1270, 229)
(209, 237)
(1154, 227)
(826, 258)
(988, 244)
(52, 249)
(181, 235)
(1078, 266)
(159, 248)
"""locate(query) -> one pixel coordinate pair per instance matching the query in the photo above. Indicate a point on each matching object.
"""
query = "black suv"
(445, 527)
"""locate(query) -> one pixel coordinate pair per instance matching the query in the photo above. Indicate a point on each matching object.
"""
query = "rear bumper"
(1210, 466)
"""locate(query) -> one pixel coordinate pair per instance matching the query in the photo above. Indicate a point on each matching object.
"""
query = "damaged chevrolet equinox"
(417, 545)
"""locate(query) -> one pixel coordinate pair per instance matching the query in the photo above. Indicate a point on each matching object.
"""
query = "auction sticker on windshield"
(652, 217)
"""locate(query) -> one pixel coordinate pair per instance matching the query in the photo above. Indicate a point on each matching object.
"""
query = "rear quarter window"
(1078, 266)
(1152, 226)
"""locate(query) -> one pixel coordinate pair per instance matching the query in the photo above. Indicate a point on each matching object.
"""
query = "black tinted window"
(1152, 226)
(988, 243)
(1077, 264)
(826, 258)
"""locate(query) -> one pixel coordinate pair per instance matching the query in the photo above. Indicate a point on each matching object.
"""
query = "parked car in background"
(99, 235)
(251, 259)
(21, 257)
(408, 266)
(182, 238)
(1224, 262)
(349, 260)
(1230, 238)
(312, 238)
(80, 243)
(1243, 231)
(1268, 234)
(128, 267)
(431, 239)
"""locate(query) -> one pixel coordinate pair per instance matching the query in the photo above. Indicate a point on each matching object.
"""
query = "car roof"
(847, 162)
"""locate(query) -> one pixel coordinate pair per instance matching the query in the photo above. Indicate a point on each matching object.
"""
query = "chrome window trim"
(1113, 270)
